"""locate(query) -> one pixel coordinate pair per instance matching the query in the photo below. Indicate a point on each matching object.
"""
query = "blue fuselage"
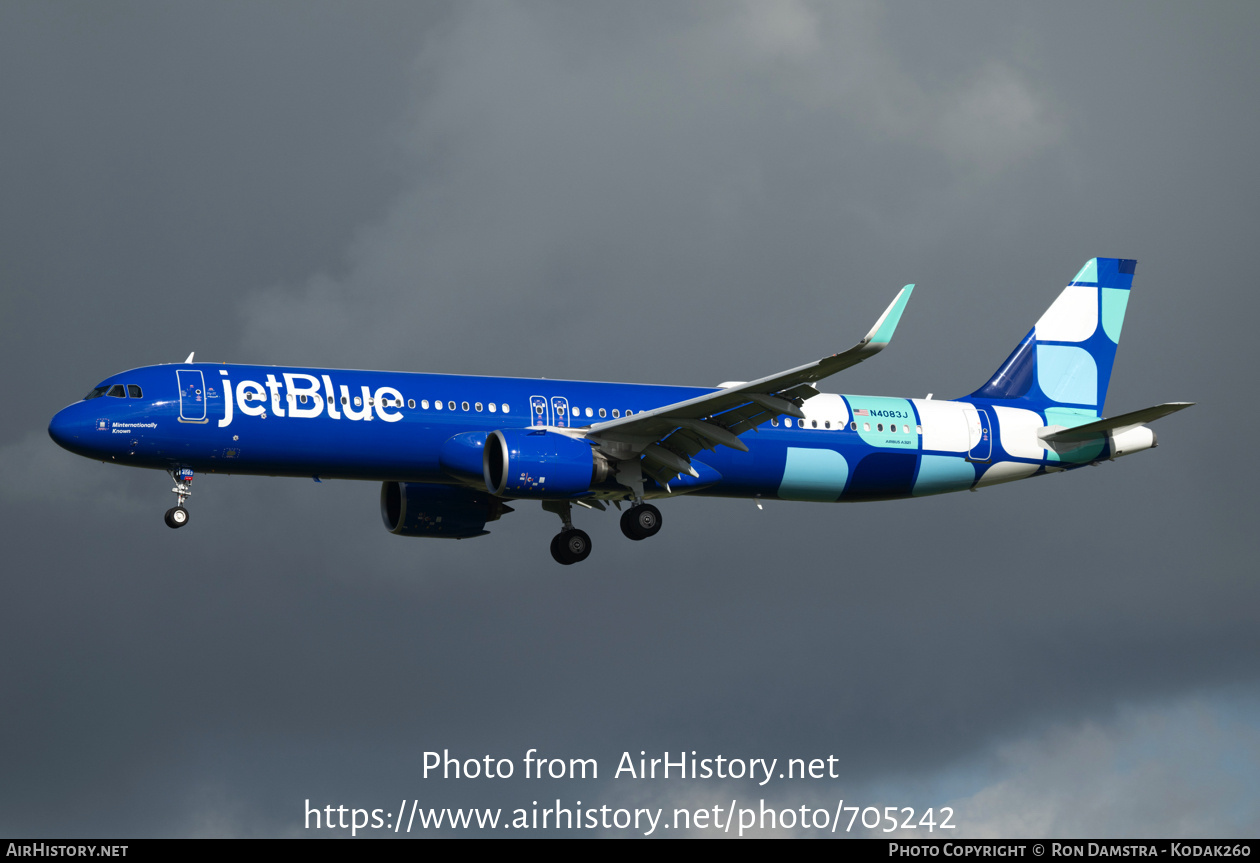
(371, 425)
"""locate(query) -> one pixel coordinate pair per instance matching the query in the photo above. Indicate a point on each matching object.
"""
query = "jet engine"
(535, 463)
(420, 509)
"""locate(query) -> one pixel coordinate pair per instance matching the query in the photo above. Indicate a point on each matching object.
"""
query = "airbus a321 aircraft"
(452, 451)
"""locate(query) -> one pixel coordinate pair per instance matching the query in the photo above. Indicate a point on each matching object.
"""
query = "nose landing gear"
(177, 516)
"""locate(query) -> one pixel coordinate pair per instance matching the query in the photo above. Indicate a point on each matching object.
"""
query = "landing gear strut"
(641, 521)
(570, 545)
(177, 516)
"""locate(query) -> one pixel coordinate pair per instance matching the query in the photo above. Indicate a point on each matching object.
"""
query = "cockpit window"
(95, 394)
(117, 391)
(134, 391)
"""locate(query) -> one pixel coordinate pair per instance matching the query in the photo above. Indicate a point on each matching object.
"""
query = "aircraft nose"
(66, 429)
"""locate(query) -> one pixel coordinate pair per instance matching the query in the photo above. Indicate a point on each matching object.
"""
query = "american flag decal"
(862, 412)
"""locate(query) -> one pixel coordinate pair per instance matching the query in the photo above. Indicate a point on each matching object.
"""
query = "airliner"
(454, 452)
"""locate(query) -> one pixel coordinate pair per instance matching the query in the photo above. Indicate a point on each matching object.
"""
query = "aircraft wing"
(667, 437)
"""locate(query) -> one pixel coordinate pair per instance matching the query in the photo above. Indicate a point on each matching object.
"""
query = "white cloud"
(1186, 770)
(1190, 769)
(994, 120)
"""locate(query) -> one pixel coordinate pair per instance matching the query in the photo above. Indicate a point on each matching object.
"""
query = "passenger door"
(980, 434)
(192, 396)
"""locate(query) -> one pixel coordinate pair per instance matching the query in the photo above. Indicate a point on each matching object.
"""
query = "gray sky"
(675, 194)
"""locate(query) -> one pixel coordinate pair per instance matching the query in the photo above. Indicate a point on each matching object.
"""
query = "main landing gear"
(570, 545)
(177, 516)
(641, 521)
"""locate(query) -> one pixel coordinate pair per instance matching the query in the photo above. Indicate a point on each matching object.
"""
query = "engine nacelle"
(536, 463)
(420, 509)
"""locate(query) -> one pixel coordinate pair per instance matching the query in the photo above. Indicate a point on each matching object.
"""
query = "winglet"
(189, 360)
(881, 334)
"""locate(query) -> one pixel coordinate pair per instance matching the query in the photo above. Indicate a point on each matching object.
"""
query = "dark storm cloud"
(697, 194)
(579, 180)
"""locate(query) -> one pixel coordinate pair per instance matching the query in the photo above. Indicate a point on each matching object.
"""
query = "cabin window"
(493, 407)
(879, 427)
(411, 404)
(345, 400)
(616, 413)
(117, 391)
(451, 406)
(852, 426)
(905, 429)
(302, 399)
(464, 405)
(866, 426)
(602, 413)
(918, 429)
(787, 422)
(813, 423)
(505, 408)
(589, 412)
(437, 405)
(330, 399)
(774, 421)
(357, 401)
(478, 407)
(134, 391)
(827, 424)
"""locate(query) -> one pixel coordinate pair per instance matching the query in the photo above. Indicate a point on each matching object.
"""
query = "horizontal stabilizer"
(1116, 425)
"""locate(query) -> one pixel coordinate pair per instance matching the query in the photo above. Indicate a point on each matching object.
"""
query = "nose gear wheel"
(176, 516)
